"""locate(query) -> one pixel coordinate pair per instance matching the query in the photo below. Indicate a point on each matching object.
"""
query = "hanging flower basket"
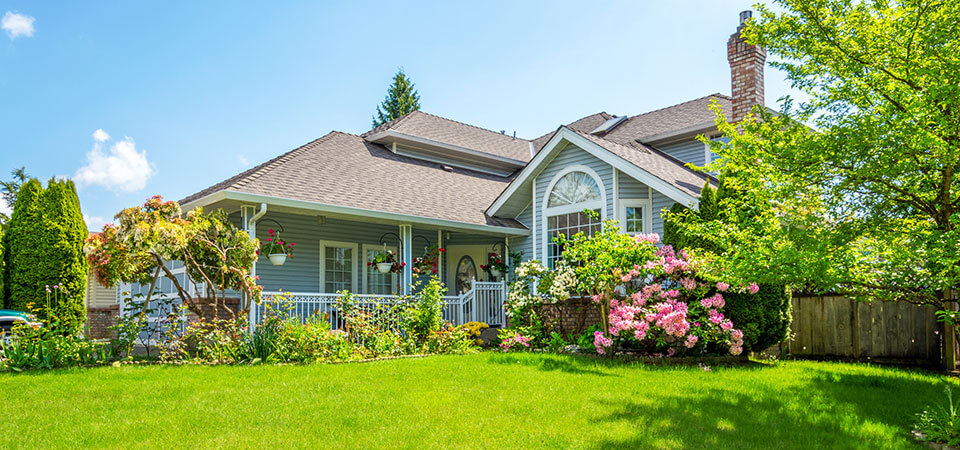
(276, 249)
(494, 266)
(386, 262)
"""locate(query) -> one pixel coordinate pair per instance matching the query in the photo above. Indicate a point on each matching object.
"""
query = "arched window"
(569, 194)
(574, 188)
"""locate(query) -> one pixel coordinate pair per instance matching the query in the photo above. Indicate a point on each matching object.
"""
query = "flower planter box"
(277, 259)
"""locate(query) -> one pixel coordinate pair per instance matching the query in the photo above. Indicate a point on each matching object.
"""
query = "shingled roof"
(655, 162)
(440, 129)
(345, 170)
(688, 114)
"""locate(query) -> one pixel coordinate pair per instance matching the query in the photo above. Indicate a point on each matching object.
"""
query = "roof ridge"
(474, 126)
(716, 94)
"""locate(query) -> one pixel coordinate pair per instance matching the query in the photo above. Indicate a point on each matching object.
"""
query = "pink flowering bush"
(652, 300)
(514, 341)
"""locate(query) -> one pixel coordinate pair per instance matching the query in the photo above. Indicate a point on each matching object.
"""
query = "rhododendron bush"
(651, 299)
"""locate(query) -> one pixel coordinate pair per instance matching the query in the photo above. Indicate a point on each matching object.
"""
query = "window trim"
(366, 270)
(548, 212)
(647, 206)
(323, 262)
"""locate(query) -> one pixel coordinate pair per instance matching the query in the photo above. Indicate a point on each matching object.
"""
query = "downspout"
(250, 226)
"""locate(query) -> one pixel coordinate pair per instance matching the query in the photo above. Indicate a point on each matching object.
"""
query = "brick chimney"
(746, 71)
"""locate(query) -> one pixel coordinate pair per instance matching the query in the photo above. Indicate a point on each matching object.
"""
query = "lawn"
(484, 400)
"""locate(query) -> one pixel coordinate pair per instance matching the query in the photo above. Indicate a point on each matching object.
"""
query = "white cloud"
(100, 135)
(244, 162)
(122, 168)
(94, 223)
(17, 25)
(4, 208)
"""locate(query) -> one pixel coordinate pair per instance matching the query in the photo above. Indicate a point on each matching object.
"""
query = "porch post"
(246, 217)
(440, 256)
(406, 256)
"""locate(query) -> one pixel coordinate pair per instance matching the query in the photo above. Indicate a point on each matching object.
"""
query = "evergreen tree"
(64, 261)
(9, 189)
(23, 241)
(401, 99)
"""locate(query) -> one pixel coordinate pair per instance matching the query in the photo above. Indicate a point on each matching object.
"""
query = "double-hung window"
(338, 266)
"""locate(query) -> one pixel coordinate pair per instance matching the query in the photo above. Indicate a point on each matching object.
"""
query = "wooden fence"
(826, 326)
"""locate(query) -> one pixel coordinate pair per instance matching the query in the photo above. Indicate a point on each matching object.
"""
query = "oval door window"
(466, 273)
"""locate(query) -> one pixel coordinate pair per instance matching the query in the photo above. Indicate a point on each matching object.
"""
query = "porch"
(483, 302)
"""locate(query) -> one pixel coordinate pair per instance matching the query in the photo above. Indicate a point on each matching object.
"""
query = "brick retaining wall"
(99, 321)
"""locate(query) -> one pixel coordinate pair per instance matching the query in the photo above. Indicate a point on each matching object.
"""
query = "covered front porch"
(332, 252)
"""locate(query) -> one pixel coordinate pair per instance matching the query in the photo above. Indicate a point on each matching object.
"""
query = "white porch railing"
(482, 303)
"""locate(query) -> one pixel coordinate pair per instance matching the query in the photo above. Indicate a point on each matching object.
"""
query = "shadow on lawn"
(551, 363)
(830, 410)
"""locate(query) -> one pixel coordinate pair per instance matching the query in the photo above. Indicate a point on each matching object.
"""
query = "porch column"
(246, 217)
(440, 256)
(406, 256)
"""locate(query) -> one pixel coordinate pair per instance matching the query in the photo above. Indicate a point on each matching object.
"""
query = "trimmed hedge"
(44, 246)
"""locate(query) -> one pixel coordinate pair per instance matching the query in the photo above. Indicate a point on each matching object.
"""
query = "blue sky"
(203, 90)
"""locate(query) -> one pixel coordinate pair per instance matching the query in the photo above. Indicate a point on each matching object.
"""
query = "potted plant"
(494, 265)
(428, 262)
(386, 262)
(276, 249)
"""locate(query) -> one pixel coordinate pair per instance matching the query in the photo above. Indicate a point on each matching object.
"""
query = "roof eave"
(248, 197)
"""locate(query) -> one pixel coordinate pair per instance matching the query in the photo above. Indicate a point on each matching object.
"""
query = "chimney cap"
(744, 15)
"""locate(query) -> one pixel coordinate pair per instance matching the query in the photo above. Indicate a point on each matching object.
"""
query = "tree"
(867, 203)
(149, 238)
(64, 263)
(24, 249)
(401, 99)
(11, 188)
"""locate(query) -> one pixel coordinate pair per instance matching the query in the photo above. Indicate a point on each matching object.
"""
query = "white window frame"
(548, 212)
(647, 206)
(366, 270)
(323, 262)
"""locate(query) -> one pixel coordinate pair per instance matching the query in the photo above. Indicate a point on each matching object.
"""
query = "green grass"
(485, 400)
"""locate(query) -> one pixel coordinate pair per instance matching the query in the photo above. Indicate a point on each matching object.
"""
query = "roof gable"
(647, 165)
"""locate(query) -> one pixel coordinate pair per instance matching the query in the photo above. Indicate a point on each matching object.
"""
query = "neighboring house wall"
(98, 296)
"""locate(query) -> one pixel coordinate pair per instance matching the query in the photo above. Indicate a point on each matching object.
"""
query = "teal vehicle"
(9, 317)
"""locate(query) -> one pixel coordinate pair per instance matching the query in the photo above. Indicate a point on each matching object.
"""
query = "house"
(423, 180)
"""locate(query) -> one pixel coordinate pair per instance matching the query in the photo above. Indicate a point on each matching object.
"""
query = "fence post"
(949, 343)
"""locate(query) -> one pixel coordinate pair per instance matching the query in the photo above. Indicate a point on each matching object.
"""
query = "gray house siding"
(660, 202)
(524, 244)
(686, 151)
(570, 156)
(302, 272)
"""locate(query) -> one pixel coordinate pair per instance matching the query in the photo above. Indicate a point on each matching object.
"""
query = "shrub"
(51, 344)
(941, 425)
(764, 318)
(425, 315)
(514, 340)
